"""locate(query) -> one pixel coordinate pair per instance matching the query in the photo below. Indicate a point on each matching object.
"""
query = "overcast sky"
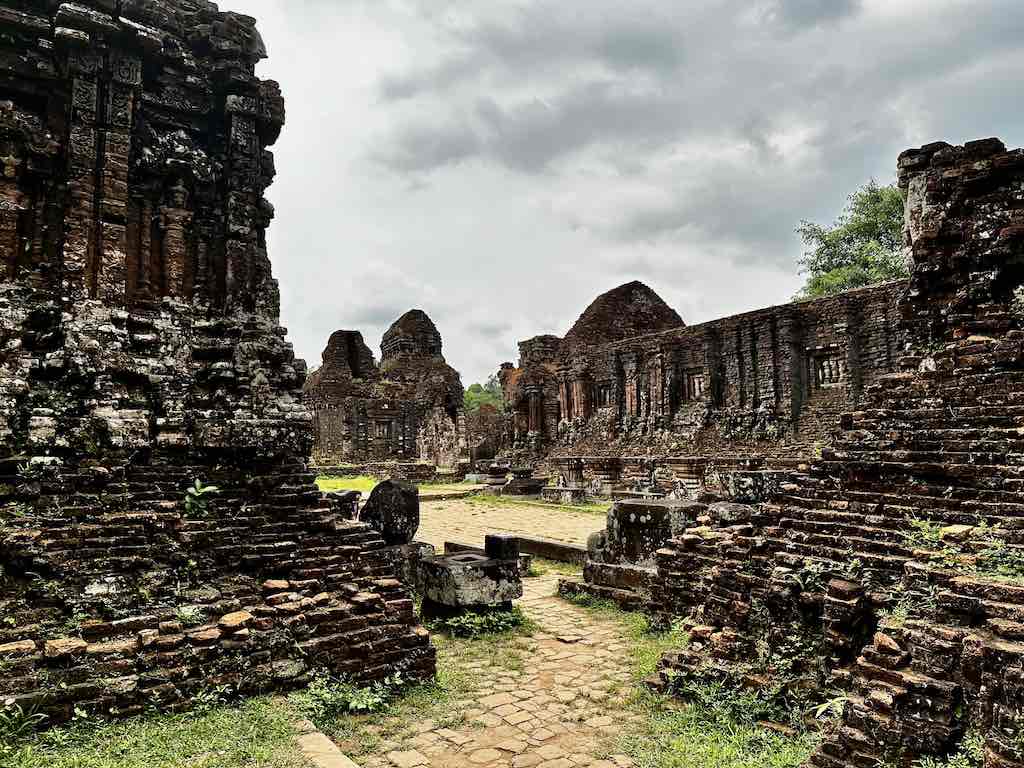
(499, 163)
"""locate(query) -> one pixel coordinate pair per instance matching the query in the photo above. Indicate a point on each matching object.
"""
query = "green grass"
(363, 483)
(461, 665)
(256, 734)
(677, 735)
(498, 501)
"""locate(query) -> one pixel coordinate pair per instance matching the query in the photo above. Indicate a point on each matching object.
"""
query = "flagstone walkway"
(562, 709)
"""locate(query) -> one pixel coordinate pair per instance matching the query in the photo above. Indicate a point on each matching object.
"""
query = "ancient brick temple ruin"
(142, 354)
(630, 380)
(892, 571)
(408, 408)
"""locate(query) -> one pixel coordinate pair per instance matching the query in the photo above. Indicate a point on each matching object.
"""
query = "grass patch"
(507, 501)
(366, 483)
(678, 735)
(362, 483)
(461, 666)
(718, 730)
(257, 733)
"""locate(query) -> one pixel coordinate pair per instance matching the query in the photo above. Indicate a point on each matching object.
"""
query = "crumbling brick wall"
(898, 557)
(142, 352)
(408, 408)
(767, 383)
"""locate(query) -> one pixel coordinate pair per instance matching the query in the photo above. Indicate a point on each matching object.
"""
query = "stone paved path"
(561, 710)
(464, 522)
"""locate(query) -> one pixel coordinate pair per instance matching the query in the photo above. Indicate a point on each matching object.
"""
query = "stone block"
(393, 510)
(469, 579)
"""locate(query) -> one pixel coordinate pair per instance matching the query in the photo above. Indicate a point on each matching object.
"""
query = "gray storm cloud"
(499, 164)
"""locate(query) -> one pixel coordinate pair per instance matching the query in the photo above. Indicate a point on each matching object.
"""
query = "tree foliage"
(862, 247)
(484, 394)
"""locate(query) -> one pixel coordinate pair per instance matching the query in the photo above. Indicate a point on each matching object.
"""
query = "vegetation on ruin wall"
(979, 550)
(862, 247)
(715, 727)
(490, 394)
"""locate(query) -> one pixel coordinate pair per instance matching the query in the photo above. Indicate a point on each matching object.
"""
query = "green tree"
(861, 248)
(484, 394)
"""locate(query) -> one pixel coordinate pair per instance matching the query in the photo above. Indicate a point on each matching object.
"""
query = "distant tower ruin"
(410, 408)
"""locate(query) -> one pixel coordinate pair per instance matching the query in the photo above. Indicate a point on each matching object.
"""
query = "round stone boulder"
(393, 510)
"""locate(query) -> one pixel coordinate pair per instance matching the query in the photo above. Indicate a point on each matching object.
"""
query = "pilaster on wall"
(791, 337)
(854, 372)
(84, 153)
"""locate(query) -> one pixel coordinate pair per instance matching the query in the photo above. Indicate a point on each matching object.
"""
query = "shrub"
(328, 698)
(971, 754)
(477, 624)
(197, 502)
(190, 616)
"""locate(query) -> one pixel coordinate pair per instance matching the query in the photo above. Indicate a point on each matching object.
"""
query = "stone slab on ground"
(322, 752)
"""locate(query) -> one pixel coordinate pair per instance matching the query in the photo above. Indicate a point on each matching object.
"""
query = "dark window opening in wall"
(693, 384)
(828, 368)
(603, 395)
(383, 430)
(352, 353)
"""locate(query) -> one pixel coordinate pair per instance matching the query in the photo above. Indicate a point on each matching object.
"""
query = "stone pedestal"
(621, 559)
(524, 484)
(472, 579)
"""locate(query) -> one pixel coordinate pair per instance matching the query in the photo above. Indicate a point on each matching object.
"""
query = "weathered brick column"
(142, 354)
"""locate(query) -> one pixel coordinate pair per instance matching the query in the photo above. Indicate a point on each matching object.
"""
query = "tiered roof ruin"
(407, 409)
(142, 356)
(770, 382)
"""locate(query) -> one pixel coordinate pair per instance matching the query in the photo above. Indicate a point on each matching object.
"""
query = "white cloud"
(499, 164)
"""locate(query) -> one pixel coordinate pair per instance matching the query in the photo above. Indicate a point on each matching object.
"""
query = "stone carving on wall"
(142, 354)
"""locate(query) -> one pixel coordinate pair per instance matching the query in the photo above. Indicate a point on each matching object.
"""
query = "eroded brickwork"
(766, 383)
(141, 353)
(408, 408)
(894, 569)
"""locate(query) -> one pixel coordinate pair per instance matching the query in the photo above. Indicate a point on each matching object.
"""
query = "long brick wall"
(766, 383)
